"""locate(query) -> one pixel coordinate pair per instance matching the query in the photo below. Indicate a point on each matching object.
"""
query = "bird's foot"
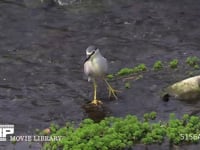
(96, 102)
(113, 92)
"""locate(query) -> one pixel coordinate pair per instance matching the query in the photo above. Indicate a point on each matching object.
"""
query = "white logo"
(6, 130)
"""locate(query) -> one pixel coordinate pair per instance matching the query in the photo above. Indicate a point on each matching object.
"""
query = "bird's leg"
(95, 89)
(95, 101)
(111, 90)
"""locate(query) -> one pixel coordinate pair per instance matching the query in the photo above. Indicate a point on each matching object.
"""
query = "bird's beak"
(88, 56)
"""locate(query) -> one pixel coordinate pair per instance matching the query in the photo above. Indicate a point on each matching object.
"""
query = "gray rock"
(188, 89)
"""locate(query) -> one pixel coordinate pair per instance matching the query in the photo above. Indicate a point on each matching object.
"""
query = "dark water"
(42, 49)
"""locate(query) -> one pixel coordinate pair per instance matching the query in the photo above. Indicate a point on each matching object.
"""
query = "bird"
(96, 67)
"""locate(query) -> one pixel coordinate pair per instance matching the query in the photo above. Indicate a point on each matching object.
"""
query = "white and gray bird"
(96, 66)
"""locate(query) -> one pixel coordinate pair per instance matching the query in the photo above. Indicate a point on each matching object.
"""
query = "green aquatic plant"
(137, 69)
(196, 66)
(125, 71)
(140, 68)
(193, 61)
(173, 64)
(120, 133)
(110, 76)
(158, 65)
(127, 85)
(149, 116)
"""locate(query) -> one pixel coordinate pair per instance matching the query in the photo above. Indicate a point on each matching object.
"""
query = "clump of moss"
(173, 64)
(158, 65)
(193, 61)
(120, 133)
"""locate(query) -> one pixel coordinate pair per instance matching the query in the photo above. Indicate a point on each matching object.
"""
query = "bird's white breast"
(96, 66)
(100, 66)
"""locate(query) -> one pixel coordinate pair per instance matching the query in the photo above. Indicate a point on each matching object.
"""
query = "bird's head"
(91, 51)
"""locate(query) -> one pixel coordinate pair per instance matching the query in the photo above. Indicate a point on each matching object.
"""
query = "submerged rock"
(188, 89)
